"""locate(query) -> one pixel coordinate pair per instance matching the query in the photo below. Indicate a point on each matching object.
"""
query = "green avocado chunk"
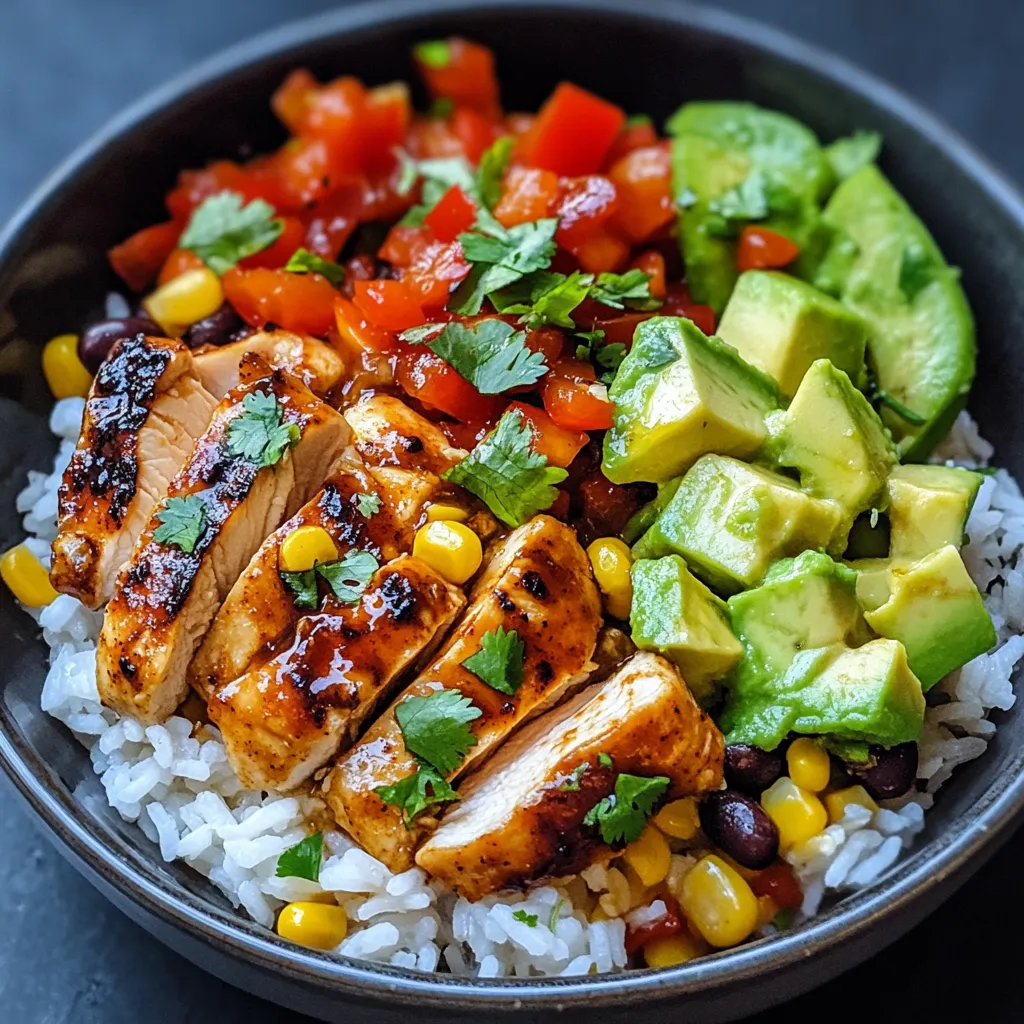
(678, 395)
(928, 508)
(735, 164)
(731, 521)
(643, 519)
(886, 266)
(835, 440)
(675, 614)
(782, 325)
(934, 609)
(867, 693)
(872, 581)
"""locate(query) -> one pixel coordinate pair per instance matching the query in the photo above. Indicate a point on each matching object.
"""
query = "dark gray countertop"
(65, 67)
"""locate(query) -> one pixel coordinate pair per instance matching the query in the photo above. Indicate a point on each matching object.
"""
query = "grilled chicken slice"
(145, 409)
(314, 362)
(285, 718)
(167, 597)
(518, 823)
(539, 585)
(259, 611)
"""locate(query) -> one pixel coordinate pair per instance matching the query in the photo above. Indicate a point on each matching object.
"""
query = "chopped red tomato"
(330, 223)
(761, 249)
(334, 114)
(679, 302)
(528, 194)
(293, 234)
(643, 179)
(303, 303)
(601, 251)
(304, 172)
(137, 260)
(428, 378)
(435, 269)
(558, 444)
(634, 135)
(778, 881)
(474, 131)
(257, 181)
(432, 138)
(461, 71)
(454, 213)
(670, 923)
(385, 121)
(179, 261)
(466, 435)
(402, 243)
(573, 132)
(358, 334)
(290, 99)
(573, 398)
(549, 341)
(388, 304)
(652, 263)
(584, 205)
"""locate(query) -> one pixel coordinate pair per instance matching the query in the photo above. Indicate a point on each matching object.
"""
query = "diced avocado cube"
(934, 609)
(734, 164)
(731, 521)
(679, 395)
(872, 581)
(675, 614)
(921, 332)
(835, 440)
(928, 508)
(867, 693)
(643, 519)
(781, 325)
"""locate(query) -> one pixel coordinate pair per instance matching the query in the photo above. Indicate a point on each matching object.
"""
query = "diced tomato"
(381, 201)
(761, 249)
(465, 435)
(643, 180)
(603, 250)
(428, 378)
(558, 444)
(357, 332)
(528, 194)
(304, 169)
(453, 214)
(620, 329)
(257, 181)
(778, 881)
(574, 399)
(584, 205)
(387, 304)
(359, 268)
(432, 138)
(652, 263)
(474, 131)
(179, 261)
(605, 506)
(402, 243)
(679, 302)
(293, 234)
(138, 259)
(303, 303)
(335, 114)
(331, 221)
(634, 135)
(462, 72)
(549, 341)
(572, 134)
(292, 95)
(435, 270)
(385, 120)
(670, 923)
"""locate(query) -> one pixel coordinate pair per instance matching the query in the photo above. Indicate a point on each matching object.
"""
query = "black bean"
(889, 773)
(740, 827)
(98, 339)
(216, 329)
(750, 769)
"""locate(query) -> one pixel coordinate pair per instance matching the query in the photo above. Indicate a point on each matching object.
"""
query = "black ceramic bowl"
(646, 56)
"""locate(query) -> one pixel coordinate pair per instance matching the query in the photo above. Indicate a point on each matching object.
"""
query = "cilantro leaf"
(490, 355)
(742, 203)
(441, 108)
(504, 472)
(637, 121)
(182, 521)
(544, 298)
(221, 231)
(368, 504)
(438, 175)
(492, 170)
(848, 155)
(609, 358)
(434, 728)
(258, 434)
(433, 53)
(530, 920)
(410, 794)
(632, 289)
(499, 662)
(585, 348)
(349, 576)
(303, 261)
(621, 817)
(302, 860)
(303, 587)
(572, 784)
(604, 760)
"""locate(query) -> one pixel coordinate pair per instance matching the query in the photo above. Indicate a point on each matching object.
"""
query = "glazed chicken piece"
(539, 585)
(519, 819)
(145, 409)
(284, 719)
(314, 362)
(259, 610)
(166, 597)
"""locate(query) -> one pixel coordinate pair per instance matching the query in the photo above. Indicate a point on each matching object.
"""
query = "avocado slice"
(872, 585)
(736, 163)
(782, 325)
(887, 267)
(678, 395)
(934, 609)
(928, 508)
(835, 440)
(731, 521)
(867, 693)
(675, 614)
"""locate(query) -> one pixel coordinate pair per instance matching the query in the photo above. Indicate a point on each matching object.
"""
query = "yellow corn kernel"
(316, 925)
(649, 856)
(450, 548)
(672, 950)
(27, 577)
(679, 819)
(799, 815)
(304, 547)
(719, 903)
(809, 765)
(64, 371)
(611, 561)
(767, 908)
(185, 299)
(441, 510)
(838, 801)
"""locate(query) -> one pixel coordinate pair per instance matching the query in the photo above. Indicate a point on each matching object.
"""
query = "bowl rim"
(946, 860)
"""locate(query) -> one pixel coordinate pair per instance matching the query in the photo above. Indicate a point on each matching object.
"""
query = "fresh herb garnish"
(441, 108)
(637, 121)
(572, 783)
(410, 794)
(438, 175)
(783, 919)
(258, 434)
(221, 231)
(745, 202)
(585, 348)
(604, 760)
(621, 817)
(556, 912)
(303, 261)
(434, 53)
(879, 396)
(302, 860)
(434, 728)
(492, 169)
(491, 355)
(368, 504)
(848, 155)
(182, 521)
(544, 297)
(530, 920)
(632, 289)
(499, 662)
(504, 472)
(303, 587)
(608, 359)
(349, 576)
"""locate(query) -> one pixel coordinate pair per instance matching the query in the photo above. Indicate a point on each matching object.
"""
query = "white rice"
(184, 796)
